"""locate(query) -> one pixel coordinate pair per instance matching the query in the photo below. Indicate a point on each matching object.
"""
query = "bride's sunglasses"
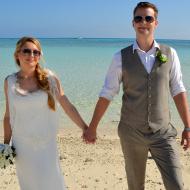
(148, 19)
(29, 52)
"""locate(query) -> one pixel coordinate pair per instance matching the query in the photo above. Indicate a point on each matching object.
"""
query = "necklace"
(24, 77)
(18, 89)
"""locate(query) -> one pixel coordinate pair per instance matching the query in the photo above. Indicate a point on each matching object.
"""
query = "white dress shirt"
(114, 75)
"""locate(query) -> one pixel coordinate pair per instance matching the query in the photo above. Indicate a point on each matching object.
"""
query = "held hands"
(89, 135)
(185, 140)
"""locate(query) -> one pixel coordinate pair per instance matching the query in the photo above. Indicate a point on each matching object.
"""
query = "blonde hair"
(41, 74)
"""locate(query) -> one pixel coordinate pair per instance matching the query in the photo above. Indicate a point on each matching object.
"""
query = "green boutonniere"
(161, 57)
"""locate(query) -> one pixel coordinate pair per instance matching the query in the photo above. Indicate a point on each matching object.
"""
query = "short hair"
(146, 5)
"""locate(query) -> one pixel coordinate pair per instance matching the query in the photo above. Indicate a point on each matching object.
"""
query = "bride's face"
(28, 56)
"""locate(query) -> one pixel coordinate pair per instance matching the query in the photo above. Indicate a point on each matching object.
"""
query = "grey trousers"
(163, 148)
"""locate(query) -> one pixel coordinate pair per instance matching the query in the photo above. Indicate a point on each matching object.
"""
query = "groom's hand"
(185, 140)
(89, 135)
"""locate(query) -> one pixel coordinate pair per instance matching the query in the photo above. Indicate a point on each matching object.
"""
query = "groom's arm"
(110, 89)
(100, 109)
(179, 95)
(183, 109)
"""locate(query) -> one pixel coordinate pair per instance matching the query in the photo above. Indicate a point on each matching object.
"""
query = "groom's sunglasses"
(148, 19)
(30, 52)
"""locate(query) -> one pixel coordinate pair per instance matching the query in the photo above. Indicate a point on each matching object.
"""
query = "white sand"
(99, 166)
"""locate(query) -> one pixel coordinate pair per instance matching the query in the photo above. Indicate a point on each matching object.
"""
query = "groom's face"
(145, 22)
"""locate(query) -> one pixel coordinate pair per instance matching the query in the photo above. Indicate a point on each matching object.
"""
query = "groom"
(148, 71)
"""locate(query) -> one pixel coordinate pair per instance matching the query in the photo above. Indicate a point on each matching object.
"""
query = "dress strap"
(53, 84)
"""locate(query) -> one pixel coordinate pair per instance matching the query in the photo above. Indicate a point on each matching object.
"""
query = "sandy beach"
(96, 167)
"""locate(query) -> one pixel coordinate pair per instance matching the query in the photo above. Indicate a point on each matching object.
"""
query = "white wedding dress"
(34, 128)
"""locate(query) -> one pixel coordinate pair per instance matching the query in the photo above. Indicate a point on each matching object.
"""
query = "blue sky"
(89, 18)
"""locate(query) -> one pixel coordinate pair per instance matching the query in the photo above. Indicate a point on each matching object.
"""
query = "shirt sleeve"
(113, 78)
(176, 83)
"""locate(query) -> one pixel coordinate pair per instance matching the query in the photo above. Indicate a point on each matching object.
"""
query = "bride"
(31, 118)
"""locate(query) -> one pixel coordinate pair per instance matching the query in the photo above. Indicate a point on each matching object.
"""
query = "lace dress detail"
(34, 129)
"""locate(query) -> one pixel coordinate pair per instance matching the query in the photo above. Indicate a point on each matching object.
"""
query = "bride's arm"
(68, 107)
(6, 121)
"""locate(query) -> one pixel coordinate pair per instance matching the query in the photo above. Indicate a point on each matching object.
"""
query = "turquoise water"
(81, 65)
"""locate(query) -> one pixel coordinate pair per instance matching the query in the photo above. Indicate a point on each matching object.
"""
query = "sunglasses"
(29, 52)
(148, 19)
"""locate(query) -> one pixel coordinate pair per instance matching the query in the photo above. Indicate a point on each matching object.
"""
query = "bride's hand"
(89, 135)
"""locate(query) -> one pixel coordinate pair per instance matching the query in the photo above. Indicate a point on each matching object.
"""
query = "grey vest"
(146, 96)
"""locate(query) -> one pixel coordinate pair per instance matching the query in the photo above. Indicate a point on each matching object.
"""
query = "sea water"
(81, 65)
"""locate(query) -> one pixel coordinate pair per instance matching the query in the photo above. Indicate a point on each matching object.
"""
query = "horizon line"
(80, 38)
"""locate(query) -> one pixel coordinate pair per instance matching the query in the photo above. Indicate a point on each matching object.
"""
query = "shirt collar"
(136, 46)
